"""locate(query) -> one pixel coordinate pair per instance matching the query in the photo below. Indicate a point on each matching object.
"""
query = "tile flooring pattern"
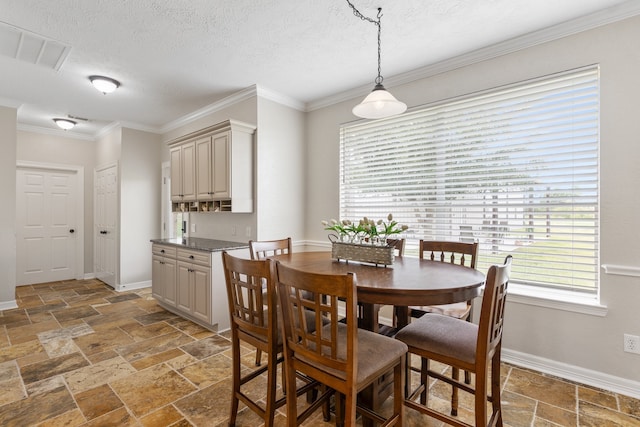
(76, 353)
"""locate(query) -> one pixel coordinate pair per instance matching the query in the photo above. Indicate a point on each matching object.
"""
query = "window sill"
(558, 300)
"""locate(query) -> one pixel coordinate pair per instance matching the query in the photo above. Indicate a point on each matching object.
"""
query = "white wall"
(140, 182)
(588, 342)
(46, 148)
(280, 164)
(8, 139)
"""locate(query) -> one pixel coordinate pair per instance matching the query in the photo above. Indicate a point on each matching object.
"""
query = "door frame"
(79, 173)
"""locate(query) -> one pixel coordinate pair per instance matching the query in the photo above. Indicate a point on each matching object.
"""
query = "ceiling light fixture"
(65, 124)
(104, 84)
(379, 103)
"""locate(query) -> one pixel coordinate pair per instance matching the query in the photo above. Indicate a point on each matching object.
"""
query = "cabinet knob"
(161, 251)
(191, 257)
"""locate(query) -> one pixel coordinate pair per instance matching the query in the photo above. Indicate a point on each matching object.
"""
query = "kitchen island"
(188, 279)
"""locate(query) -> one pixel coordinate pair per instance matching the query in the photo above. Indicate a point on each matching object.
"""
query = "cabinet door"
(221, 165)
(157, 278)
(203, 168)
(183, 292)
(176, 174)
(189, 171)
(201, 287)
(170, 281)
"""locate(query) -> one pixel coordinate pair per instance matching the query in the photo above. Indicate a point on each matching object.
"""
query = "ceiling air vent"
(29, 47)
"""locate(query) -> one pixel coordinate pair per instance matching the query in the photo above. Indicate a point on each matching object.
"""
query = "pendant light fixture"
(65, 124)
(379, 103)
(104, 84)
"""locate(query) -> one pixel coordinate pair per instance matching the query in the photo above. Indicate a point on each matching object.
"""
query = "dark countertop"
(199, 243)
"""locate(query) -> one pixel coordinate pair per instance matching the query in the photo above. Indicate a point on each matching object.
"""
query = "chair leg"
(236, 380)
(258, 357)
(424, 379)
(350, 408)
(455, 375)
(272, 374)
(481, 397)
(496, 404)
(292, 404)
(339, 402)
(398, 386)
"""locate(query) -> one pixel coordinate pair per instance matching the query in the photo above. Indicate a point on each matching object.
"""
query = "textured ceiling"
(175, 57)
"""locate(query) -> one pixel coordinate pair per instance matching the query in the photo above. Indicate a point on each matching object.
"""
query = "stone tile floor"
(77, 353)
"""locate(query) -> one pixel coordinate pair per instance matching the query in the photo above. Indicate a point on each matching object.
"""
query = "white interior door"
(105, 223)
(46, 225)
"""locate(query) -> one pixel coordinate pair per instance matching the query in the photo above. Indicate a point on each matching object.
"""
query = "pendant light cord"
(357, 13)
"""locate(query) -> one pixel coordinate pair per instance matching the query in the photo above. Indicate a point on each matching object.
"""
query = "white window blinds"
(514, 168)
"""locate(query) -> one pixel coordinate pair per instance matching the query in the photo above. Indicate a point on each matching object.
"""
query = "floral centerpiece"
(364, 241)
(366, 230)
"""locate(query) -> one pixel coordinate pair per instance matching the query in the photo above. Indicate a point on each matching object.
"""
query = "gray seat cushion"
(442, 335)
(375, 352)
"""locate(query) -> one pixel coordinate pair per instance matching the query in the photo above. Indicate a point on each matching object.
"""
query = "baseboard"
(133, 286)
(8, 305)
(89, 276)
(573, 373)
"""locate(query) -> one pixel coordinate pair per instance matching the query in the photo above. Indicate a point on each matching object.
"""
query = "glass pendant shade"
(65, 124)
(379, 104)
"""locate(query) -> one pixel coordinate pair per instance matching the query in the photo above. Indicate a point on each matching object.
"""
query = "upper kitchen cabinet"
(222, 169)
(183, 172)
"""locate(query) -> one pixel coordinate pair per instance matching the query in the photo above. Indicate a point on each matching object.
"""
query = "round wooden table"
(408, 281)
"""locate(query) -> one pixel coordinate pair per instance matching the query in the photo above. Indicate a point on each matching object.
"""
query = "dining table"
(409, 281)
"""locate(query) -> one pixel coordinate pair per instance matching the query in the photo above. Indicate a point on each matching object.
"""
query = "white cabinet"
(222, 169)
(163, 274)
(204, 179)
(183, 172)
(194, 283)
(191, 283)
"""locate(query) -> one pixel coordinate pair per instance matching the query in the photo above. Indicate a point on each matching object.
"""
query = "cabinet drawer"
(164, 250)
(197, 257)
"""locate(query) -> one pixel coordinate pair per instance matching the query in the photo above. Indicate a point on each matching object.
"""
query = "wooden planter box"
(379, 255)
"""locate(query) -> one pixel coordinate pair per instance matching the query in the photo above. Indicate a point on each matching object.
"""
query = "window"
(515, 168)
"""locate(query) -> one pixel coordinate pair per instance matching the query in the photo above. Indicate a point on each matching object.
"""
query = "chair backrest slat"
(308, 297)
(455, 252)
(251, 308)
(491, 322)
(261, 249)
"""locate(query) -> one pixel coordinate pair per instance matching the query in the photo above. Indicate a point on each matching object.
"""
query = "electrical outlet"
(234, 230)
(248, 231)
(193, 227)
(631, 343)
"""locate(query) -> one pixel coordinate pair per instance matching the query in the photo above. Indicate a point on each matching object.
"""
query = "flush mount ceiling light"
(65, 124)
(379, 103)
(104, 84)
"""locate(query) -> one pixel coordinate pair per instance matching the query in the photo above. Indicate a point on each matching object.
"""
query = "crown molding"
(107, 129)
(239, 96)
(279, 98)
(143, 128)
(55, 132)
(613, 14)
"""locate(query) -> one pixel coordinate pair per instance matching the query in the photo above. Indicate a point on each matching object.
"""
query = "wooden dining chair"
(398, 245)
(261, 249)
(455, 253)
(462, 345)
(254, 317)
(339, 355)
